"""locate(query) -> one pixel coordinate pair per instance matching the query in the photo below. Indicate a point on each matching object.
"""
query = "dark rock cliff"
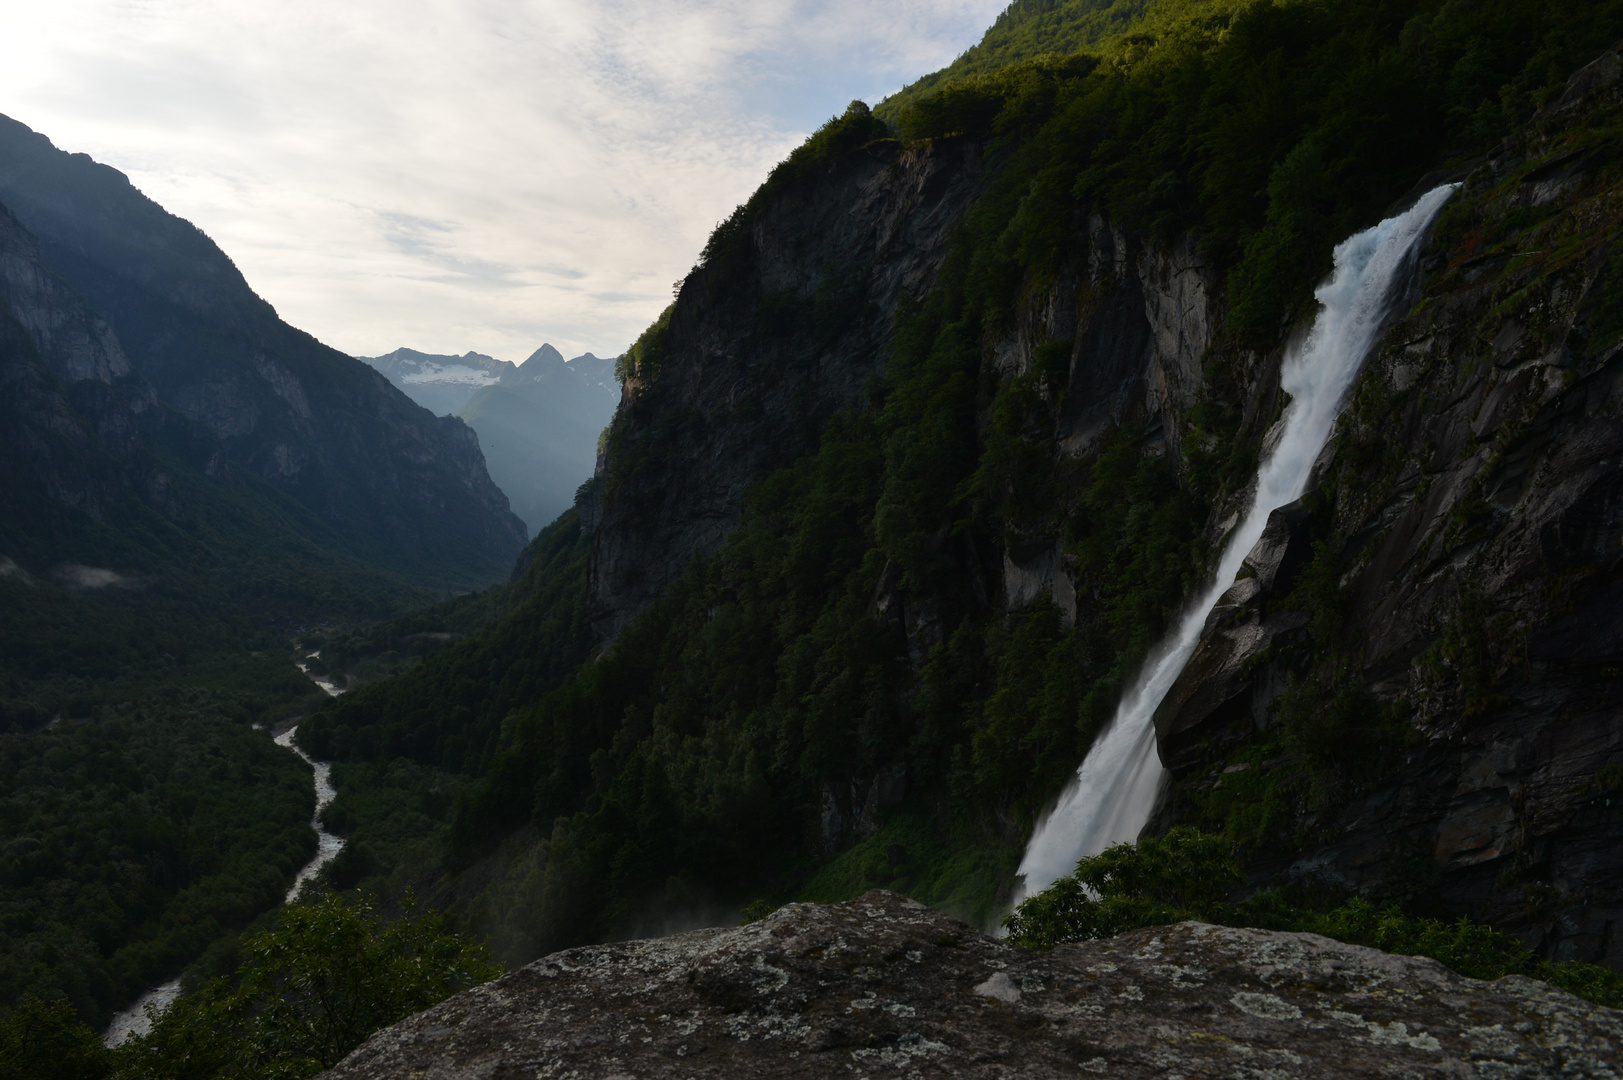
(863, 235)
(883, 986)
(72, 407)
(398, 488)
(749, 375)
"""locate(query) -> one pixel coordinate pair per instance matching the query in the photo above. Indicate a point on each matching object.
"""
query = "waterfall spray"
(1114, 791)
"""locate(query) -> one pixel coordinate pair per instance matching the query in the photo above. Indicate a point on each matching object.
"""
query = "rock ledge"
(882, 986)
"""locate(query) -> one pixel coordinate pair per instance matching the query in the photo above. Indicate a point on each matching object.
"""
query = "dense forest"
(136, 839)
(146, 810)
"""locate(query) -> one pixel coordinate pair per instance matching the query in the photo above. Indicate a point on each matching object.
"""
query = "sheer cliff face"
(736, 395)
(1473, 511)
(401, 489)
(742, 386)
(71, 406)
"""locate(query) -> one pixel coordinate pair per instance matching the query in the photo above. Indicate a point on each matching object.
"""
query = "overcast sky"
(460, 174)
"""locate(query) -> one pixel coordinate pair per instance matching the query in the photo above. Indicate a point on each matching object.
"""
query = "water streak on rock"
(1114, 791)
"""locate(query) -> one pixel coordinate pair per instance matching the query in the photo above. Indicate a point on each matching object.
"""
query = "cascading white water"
(1110, 799)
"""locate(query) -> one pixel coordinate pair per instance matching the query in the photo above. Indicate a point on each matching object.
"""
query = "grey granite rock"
(882, 986)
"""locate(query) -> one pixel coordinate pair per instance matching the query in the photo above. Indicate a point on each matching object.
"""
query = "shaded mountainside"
(117, 518)
(766, 341)
(121, 544)
(52, 346)
(949, 420)
(396, 487)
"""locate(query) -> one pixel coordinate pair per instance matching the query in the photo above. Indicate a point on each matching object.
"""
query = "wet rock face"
(1249, 647)
(1477, 525)
(882, 986)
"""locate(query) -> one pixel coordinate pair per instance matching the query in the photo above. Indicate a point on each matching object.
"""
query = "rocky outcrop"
(396, 487)
(75, 342)
(1476, 530)
(1140, 320)
(1248, 648)
(882, 986)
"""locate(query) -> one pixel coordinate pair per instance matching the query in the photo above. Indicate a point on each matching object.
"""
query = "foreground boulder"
(882, 986)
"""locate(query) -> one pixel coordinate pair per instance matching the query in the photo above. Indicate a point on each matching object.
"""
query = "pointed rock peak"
(544, 357)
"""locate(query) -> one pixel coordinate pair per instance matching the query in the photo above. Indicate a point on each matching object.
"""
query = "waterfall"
(1110, 799)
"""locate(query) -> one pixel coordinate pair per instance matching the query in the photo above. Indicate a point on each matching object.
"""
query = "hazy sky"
(460, 174)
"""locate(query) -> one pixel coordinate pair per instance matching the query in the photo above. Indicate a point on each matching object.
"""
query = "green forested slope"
(449, 711)
(1269, 130)
(693, 766)
(1029, 29)
(391, 486)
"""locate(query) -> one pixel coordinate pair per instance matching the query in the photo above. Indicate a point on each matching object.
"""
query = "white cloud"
(484, 174)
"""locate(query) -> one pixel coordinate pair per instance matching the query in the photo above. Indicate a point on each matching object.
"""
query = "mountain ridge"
(398, 488)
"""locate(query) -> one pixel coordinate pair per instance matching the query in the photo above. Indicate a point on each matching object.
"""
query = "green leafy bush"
(1184, 875)
(47, 1041)
(1189, 875)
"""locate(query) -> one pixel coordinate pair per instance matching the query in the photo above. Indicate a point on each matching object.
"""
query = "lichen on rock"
(883, 986)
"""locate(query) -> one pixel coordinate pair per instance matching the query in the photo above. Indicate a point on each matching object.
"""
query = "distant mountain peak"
(544, 357)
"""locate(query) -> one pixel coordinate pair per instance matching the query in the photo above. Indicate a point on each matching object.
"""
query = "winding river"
(134, 1020)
